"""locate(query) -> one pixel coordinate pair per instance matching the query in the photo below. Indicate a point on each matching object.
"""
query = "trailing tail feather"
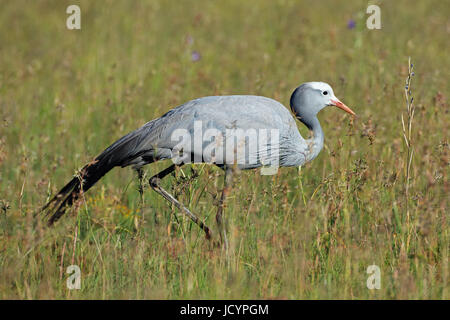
(72, 191)
(120, 153)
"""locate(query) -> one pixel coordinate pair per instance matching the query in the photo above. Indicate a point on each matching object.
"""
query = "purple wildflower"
(351, 24)
(195, 56)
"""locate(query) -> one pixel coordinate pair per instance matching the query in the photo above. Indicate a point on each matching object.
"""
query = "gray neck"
(315, 144)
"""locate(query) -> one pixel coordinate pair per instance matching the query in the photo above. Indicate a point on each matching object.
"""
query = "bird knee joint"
(154, 182)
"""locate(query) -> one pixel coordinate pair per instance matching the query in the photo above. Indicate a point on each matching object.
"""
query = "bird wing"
(246, 130)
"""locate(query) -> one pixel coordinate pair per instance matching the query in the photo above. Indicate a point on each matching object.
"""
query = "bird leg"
(226, 190)
(155, 184)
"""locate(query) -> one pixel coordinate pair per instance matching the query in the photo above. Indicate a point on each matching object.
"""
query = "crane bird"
(155, 141)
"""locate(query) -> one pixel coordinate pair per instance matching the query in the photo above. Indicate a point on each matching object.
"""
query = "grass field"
(65, 95)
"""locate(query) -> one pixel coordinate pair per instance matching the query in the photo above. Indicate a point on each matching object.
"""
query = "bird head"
(311, 97)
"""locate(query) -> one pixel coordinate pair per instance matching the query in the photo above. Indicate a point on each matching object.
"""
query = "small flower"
(351, 24)
(195, 56)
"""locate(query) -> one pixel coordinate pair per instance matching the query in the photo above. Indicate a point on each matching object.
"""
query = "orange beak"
(342, 106)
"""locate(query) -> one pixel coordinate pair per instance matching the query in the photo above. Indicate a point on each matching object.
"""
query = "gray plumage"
(154, 140)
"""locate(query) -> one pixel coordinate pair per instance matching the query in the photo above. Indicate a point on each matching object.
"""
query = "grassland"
(301, 234)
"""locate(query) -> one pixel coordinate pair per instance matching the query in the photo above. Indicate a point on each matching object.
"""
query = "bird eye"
(325, 93)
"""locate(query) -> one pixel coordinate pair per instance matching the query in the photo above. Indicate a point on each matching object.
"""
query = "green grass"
(66, 95)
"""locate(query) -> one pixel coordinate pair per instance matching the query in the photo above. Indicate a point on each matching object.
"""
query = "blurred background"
(65, 95)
